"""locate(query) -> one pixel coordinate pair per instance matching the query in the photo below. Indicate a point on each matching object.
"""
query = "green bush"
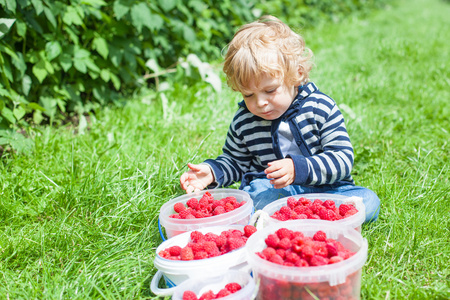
(65, 56)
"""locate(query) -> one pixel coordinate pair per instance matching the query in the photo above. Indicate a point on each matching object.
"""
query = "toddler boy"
(287, 137)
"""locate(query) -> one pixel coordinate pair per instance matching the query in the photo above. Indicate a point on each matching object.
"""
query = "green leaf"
(71, 16)
(104, 74)
(121, 8)
(65, 60)
(189, 34)
(53, 49)
(21, 28)
(116, 81)
(8, 114)
(26, 84)
(38, 6)
(50, 16)
(19, 112)
(141, 16)
(80, 65)
(167, 5)
(11, 5)
(17, 141)
(40, 71)
(94, 3)
(5, 26)
(101, 46)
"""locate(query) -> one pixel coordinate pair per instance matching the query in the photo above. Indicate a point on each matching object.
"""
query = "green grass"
(79, 215)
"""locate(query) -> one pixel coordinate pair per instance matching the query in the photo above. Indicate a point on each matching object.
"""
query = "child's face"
(270, 99)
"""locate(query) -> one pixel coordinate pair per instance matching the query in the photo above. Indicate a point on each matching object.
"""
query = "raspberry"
(335, 259)
(209, 295)
(229, 207)
(317, 260)
(201, 255)
(307, 252)
(292, 257)
(285, 243)
(318, 202)
(268, 252)
(211, 237)
(192, 203)
(332, 250)
(174, 250)
(175, 216)
(329, 204)
(320, 248)
(281, 252)
(221, 241)
(272, 240)
(216, 203)
(233, 287)
(211, 248)
(284, 233)
(189, 295)
(196, 236)
(223, 293)
(219, 210)
(327, 214)
(249, 230)
(304, 201)
(284, 210)
(235, 243)
(178, 207)
(276, 259)
(344, 208)
(164, 253)
(187, 254)
(320, 236)
(291, 202)
(350, 213)
(301, 263)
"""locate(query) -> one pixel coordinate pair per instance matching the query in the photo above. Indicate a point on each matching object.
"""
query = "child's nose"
(261, 100)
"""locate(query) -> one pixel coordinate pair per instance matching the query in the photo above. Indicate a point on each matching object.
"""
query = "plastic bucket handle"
(160, 230)
(156, 290)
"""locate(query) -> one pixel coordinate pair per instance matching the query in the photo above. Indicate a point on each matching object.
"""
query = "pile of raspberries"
(292, 248)
(306, 209)
(209, 245)
(229, 289)
(207, 206)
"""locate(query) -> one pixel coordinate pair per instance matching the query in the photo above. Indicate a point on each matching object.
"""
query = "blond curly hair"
(266, 47)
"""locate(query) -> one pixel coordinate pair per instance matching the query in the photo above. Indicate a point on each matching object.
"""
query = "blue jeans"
(262, 193)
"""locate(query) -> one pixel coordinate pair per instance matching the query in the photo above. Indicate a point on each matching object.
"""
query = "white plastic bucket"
(329, 278)
(238, 216)
(354, 221)
(204, 284)
(175, 272)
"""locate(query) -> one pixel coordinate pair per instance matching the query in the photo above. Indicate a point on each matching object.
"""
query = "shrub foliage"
(58, 57)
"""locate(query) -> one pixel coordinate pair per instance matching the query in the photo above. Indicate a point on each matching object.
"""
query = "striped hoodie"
(319, 131)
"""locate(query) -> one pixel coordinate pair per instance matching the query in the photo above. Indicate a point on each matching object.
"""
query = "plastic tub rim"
(357, 218)
(336, 273)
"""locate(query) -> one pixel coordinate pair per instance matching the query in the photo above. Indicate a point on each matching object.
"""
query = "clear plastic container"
(238, 216)
(202, 285)
(342, 279)
(354, 221)
(175, 272)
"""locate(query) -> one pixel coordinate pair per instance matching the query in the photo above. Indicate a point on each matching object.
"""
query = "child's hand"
(197, 178)
(282, 172)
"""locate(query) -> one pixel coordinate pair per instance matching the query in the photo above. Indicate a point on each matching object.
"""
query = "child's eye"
(248, 96)
(271, 91)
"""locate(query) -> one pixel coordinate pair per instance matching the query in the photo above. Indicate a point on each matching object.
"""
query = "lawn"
(79, 214)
